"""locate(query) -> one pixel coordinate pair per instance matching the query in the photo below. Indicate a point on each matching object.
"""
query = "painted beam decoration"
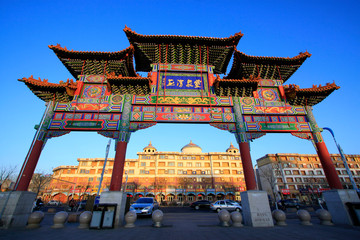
(178, 96)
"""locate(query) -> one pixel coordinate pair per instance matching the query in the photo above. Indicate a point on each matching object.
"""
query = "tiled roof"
(92, 63)
(281, 68)
(235, 87)
(308, 96)
(151, 49)
(59, 92)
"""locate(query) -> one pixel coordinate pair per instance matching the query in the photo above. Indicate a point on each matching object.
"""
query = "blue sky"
(329, 30)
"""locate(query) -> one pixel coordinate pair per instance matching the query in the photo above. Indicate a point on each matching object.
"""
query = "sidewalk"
(181, 226)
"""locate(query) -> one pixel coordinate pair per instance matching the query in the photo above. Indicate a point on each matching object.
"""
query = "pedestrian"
(72, 204)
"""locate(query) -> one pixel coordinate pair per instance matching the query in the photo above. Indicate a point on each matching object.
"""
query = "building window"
(143, 164)
(171, 171)
(298, 179)
(83, 163)
(217, 171)
(143, 172)
(90, 179)
(287, 172)
(189, 164)
(180, 164)
(308, 165)
(180, 172)
(319, 172)
(171, 164)
(198, 164)
(131, 171)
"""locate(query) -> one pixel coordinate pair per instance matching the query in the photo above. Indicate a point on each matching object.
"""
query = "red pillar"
(328, 166)
(247, 166)
(118, 170)
(29, 166)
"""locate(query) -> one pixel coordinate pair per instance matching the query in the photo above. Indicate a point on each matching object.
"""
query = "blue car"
(144, 206)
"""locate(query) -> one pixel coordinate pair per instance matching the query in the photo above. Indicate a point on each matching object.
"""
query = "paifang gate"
(182, 86)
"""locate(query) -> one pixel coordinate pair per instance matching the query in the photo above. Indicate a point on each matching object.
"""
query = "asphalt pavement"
(185, 223)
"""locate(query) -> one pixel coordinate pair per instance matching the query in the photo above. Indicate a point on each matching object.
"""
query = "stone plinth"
(335, 202)
(16, 208)
(256, 209)
(119, 198)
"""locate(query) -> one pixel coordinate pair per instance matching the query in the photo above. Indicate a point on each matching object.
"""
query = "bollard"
(324, 216)
(85, 219)
(236, 218)
(157, 217)
(130, 218)
(224, 217)
(60, 219)
(280, 217)
(35, 219)
(304, 217)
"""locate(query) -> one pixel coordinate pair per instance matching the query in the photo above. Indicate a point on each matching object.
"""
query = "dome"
(191, 148)
(232, 149)
(150, 148)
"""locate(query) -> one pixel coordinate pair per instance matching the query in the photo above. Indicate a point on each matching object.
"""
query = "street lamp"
(343, 159)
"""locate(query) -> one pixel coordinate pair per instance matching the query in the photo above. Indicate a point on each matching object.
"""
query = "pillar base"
(119, 198)
(256, 209)
(335, 202)
(16, 208)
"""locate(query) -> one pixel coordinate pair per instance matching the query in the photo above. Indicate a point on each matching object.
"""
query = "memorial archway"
(182, 86)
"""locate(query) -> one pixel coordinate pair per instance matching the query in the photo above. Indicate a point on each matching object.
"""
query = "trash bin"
(103, 216)
(354, 212)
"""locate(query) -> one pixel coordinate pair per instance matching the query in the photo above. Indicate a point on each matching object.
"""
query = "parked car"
(289, 203)
(200, 204)
(53, 203)
(225, 204)
(145, 206)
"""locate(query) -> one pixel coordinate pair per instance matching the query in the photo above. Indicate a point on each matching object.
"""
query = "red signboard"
(285, 191)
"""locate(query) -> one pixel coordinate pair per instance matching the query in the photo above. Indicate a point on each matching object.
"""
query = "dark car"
(200, 204)
(290, 203)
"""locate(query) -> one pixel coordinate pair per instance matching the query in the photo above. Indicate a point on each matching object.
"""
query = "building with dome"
(184, 176)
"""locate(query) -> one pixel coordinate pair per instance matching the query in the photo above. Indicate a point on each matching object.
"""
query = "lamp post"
(103, 170)
(343, 158)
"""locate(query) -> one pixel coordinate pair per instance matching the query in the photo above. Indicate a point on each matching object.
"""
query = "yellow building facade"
(184, 176)
(285, 175)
